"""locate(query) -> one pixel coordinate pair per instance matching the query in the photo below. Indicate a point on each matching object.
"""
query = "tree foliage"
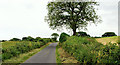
(3, 40)
(55, 36)
(29, 38)
(63, 37)
(72, 15)
(108, 34)
(15, 39)
(38, 39)
(82, 34)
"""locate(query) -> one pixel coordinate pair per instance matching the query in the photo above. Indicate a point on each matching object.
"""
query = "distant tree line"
(29, 38)
(3, 40)
(106, 34)
(55, 36)
(37, 39)
(109, 34)
(84, 34)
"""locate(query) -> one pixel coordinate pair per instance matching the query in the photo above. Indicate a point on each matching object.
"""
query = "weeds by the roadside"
(22, 57)
(88, 50)
(58, 60)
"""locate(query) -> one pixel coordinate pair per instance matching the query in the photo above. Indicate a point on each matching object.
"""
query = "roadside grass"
(23, 57)
(88, 50)
(105, 40)
(64, 57)
(57, 55)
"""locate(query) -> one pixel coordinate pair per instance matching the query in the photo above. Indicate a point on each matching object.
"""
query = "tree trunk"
(74, 32)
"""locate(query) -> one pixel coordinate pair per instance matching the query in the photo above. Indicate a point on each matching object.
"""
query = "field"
(9, 43)
(106, 40)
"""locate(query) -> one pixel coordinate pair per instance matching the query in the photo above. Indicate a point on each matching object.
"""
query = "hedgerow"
(88, 50)
(19, 48)
(63, 37)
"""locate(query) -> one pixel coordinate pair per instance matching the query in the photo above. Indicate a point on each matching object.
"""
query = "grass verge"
(57, 55)
(64, 57)
(23, 57)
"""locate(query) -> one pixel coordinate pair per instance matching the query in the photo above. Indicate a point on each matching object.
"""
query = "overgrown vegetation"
(64, 57)
(58, 60)
(15, 48)
(63, 37)
(88, 50)
(23, 57)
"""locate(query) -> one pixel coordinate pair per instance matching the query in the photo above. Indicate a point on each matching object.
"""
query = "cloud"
(19, 18)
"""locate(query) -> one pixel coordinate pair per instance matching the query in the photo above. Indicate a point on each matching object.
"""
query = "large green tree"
(55, 36)
(71, 15)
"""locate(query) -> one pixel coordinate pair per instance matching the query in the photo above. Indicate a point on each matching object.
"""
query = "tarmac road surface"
(47, 55)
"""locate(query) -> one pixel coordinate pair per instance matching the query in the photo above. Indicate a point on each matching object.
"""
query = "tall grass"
(58, 60)
(14, 48)
(88, 50)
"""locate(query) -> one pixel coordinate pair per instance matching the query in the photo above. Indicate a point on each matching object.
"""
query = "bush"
(55, 36)
(109, 34)
(15, 39)
(29, 38)
(82, 34)
(63, 37)
(46, 40)
(38, 39)
(24, 39)
(54, 39)
(3, 40)
(88, 50)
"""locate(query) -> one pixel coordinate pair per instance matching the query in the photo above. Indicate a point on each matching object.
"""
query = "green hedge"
(19, 48)
(63, 37)
(88, 50)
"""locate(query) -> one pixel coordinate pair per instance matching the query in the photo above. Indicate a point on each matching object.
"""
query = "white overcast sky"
(21, 18)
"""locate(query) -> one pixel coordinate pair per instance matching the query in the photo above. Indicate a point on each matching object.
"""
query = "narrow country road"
(47, 55)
